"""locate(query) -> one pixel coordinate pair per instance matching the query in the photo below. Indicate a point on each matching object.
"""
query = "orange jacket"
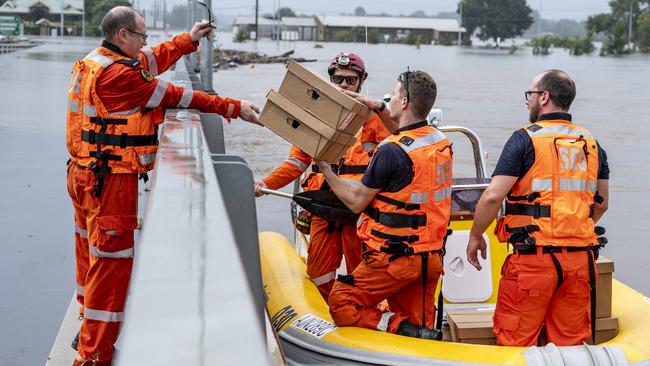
(552, 203)
(115, 105)
(355, 160)
(417, 215)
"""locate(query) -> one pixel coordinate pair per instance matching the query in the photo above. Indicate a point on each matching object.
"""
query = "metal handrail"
(477, 147)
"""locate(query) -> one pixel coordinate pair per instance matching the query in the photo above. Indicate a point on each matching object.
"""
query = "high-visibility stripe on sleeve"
(158, 94)
(383, 322)
(82, 232)
(104, 316)
(297, 162)
(153, 64)
(126, 253)
(231, 108)
(186, 99)
(80, 289)
(324, 278)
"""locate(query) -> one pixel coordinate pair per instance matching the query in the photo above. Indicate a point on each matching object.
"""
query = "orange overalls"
(548, 220)
(403, 234)
(114, 107)
(329, 242)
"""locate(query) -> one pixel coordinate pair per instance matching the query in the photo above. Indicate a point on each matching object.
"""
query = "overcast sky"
(551, 9)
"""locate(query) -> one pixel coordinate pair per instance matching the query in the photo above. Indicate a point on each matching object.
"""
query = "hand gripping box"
(323, 100)
(300, 128)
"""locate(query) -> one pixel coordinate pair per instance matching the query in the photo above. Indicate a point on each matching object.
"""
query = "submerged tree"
(498, 19)
(623, 27)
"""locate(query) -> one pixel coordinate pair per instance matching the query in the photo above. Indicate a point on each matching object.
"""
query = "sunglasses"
(404, 79)
(351, 80)
(210, 20)
(144, 36)
(529, 93)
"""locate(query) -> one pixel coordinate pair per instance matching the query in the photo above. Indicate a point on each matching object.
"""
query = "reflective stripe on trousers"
(126, 253)
(324, 278)
(104, 316)
(383, 323)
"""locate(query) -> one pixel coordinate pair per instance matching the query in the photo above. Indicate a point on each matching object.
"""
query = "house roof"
(251, 20)
(299, 21)
(439, 24)
(22, 6)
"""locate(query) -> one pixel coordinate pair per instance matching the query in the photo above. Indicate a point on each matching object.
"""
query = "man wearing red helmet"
(330, 241)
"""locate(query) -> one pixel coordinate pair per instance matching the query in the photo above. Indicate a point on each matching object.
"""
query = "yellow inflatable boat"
(301, 319)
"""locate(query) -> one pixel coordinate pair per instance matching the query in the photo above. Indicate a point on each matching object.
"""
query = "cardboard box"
(303, 130)
(323, 100)
(606, 330)
(473, 327)
(604, 287)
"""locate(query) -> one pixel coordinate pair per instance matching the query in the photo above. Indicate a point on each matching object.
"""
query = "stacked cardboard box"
(475, 326)
(313, 114)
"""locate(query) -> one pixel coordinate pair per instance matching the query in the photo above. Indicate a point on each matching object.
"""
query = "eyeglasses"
(404, 79)
(529, 93)
(351, 80)
(209, 13)
(144, 36)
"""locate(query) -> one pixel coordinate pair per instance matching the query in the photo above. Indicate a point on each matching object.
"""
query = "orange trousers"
(354, 299)
(104, 254)
(528, 296)
(327, 246)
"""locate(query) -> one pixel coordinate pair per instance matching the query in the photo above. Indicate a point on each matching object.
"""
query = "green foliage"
(616, 26)
(576, 45)
(643, 32)
(495, 19)
(284, 12)
(357, 34)
(95, 11)
(359, 11)
(241, 36)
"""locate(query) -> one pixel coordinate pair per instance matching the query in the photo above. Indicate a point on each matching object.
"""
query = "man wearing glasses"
(554, 177)
(115, 103)
(330, 241)
(405, 201)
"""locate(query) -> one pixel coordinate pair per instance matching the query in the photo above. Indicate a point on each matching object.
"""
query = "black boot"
(75, 342)
(416, 331)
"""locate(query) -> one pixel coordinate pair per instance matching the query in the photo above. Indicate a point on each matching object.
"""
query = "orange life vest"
(551, 204)
(124, 141)
(417, 215)
(355, 161)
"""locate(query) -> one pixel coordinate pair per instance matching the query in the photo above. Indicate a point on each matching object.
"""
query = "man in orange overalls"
(115, 104)
(330, 241)
(405, 200)
(554, 177)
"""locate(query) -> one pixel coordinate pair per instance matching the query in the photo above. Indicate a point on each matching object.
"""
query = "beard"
(533, 113)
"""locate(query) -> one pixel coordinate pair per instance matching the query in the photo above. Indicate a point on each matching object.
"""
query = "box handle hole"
(313, 94)
(293, 123)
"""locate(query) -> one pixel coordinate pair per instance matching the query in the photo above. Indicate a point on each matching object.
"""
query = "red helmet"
(348, 61)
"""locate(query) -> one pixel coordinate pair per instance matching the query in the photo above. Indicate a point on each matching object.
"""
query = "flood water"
(482, 90)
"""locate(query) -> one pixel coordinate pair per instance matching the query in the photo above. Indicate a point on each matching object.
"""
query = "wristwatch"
(381, 108)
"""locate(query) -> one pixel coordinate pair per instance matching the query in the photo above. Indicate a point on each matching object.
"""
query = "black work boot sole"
(75, 342)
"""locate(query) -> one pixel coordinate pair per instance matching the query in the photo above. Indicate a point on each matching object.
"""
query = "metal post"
(257, 10)
(539, 20)
(629, 30)
(460, 25)
(83, 20)
(206, 57)
(61, 18)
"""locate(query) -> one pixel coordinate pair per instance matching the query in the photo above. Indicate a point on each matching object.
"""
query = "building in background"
(43, 17)
(354, 29)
